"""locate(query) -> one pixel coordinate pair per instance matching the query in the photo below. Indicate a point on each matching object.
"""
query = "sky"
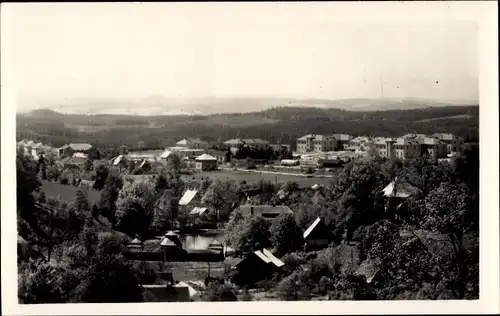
(124, 50)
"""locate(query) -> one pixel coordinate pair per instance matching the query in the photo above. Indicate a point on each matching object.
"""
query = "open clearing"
(67, 192)
(253, 177)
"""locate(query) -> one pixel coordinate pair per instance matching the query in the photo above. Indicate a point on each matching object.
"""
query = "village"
(204, 245)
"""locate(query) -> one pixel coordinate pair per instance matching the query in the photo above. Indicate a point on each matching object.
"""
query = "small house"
(258, 265)
(317, 235)
(206, 162)
(69, 149)
(266, 211)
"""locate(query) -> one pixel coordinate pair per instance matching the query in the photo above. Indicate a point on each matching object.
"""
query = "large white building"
(313, 142)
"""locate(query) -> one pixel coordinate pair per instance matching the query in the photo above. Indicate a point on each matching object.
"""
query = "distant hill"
(159, 105)
(279, 123)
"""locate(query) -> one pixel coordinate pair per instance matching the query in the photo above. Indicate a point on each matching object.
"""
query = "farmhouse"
(258, 265)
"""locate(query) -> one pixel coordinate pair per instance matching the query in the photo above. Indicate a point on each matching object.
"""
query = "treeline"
(287, 125)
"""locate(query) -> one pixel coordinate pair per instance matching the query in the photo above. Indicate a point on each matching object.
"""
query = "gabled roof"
(118, 159)
(188, 141)
(192, 291)
(205, 157)
(445, 136)
(312, 227)
(431, 141)
(266, 256)
(136, 241)
(315, 137)
(264, 210)
(234, 141)
(400, 188)
(187, 197)
(361, 139)
(198, 210)
(78, 146)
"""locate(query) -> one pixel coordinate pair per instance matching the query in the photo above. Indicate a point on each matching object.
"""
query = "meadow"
(253, 177)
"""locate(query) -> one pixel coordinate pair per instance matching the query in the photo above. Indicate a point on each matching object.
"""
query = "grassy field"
(252, 177)
(67, 192)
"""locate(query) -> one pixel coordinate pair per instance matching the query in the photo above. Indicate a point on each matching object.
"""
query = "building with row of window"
(437, 145)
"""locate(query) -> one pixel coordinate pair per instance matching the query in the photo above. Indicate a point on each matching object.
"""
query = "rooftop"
(206, 157)
(312, 227)
(268, 211)
(313, 136)
(78, 146)
(187, 197)
(400, 188)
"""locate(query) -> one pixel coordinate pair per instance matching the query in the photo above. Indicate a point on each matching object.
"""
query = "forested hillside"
(280, 123)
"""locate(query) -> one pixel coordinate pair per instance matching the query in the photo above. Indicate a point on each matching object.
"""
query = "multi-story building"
(343, 140)
(312, 142)
(30, 148)
(405, 148)
(257, 143)
(384, 147)
(454, 143)
(433, 147)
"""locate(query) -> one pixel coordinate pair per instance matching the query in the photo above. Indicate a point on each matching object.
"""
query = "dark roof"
(78, 161)
(265, 210)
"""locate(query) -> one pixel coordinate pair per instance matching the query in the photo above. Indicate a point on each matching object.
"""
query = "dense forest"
(424, 248)
(280, 124)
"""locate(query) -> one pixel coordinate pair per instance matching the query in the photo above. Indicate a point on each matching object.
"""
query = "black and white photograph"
(259, 152)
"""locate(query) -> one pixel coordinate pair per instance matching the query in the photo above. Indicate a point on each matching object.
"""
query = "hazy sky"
(133, 50)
